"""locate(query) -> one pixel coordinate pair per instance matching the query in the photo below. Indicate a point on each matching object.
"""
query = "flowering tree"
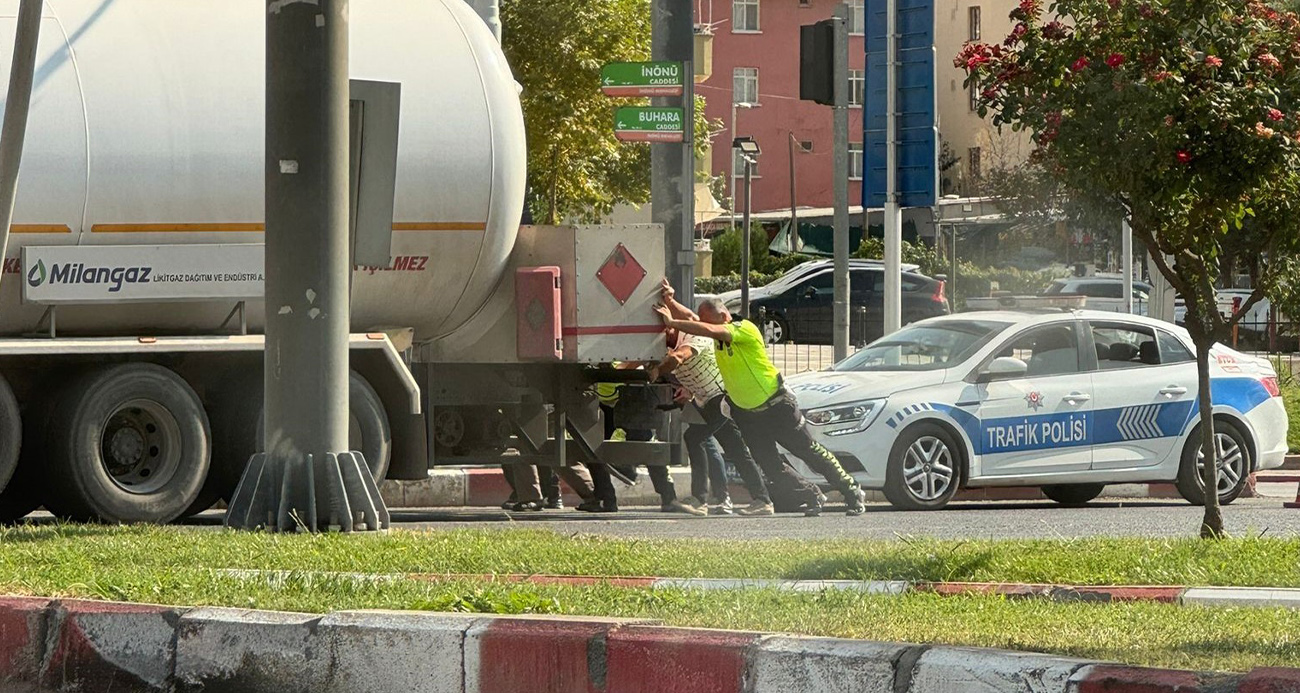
(1185, 114)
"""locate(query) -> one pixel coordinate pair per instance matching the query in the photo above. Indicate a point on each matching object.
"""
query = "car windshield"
(927, 347)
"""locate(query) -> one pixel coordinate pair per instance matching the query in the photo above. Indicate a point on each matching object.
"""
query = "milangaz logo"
(80, 273)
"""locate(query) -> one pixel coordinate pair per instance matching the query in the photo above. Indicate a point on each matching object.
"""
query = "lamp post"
(750, 152)
(732, 168)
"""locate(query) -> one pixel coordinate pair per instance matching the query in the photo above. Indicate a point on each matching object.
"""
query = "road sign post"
(649, 124)
(659, 78)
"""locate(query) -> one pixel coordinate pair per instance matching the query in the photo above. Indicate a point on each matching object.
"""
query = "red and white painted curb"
(48, 645)
(1260, 597)
(486, 487)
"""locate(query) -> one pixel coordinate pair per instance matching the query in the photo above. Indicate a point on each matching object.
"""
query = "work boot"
(757, 508)
(596, 505)
(855, 502)
(510, 502)
(813, 507)
(556, 503)
(722, 506)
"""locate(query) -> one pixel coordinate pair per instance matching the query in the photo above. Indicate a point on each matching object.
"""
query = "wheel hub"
(140, 446)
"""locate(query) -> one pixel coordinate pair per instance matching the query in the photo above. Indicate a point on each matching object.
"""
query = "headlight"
(853, 417)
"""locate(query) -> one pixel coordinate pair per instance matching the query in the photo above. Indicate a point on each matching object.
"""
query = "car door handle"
(1173, 391)
(1074, 397)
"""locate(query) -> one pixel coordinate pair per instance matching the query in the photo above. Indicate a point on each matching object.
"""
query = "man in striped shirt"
(693, 365)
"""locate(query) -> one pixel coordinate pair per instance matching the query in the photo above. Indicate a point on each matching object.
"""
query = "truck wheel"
(21, 496)
(1234, 464)
(1073, 494)
(128, 443)
(238, 431)
(11, 432)
(924, 469)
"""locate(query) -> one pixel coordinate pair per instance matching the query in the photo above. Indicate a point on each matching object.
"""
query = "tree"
(576, 168)
(1183, 113)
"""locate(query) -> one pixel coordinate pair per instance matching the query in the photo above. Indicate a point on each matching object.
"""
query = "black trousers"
(707, 469)
(783, 423)
(604, 483)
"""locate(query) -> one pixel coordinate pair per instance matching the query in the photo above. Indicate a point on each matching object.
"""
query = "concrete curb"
(486, 487)
(91, 647)
(1262, 597)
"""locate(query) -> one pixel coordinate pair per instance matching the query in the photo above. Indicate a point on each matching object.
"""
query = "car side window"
(1048, 350)
(1124, 346)
(1172, 349)
(866, 281)
(1103, 290)
(823, 284)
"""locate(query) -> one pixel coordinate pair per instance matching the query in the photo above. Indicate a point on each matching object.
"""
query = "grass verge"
(177, 566)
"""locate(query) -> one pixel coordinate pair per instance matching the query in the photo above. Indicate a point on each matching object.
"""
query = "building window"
(857, 17)
(744, 85)
(806, 146)
(975, 29)
(857, 87)
(855, 161)
(973, 154)
(744, 15)
(805, 3)
(974, 97)
(738, 165)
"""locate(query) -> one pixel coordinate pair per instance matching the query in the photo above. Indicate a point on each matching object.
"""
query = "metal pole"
(490, 11)
(731, 167)
(794, 209)
(672, 180)
(893, 215)
(1127, 265)
(306, 478)
(744, 234)
(840, 313)
(18, 104)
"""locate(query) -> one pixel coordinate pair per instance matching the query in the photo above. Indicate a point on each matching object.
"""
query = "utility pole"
(672, 172)
(840, 316)
(306, 479)
(1126, 265)
(14, 131)
(794, 209)
(745, 237)
(893, 214)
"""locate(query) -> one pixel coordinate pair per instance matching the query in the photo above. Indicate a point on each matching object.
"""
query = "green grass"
(1291, 398)
(177, 566)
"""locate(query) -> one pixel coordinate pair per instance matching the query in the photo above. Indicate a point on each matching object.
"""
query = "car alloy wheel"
(1231, 461)
(928, 469)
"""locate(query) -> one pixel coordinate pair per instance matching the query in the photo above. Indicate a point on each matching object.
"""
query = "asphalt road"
(1138, 518)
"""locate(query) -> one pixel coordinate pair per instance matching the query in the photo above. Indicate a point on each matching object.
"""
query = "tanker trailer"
(130, 307)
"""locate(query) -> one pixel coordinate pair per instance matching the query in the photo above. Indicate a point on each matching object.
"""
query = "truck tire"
(11, 432)
(238, 431)
(128, 443)
(20, 496)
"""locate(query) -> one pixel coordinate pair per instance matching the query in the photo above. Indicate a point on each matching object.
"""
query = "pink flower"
(1275, 115)
(1213, 60)
(1054, 31)
(1146, 11)
(1263, 130)
(1161, 76)
(1169, 121)
(1029, 7)
(1184, 157)
(1080, 64)
(1114, 4)
(973, 63)
(1115, 59)
(1270, 61)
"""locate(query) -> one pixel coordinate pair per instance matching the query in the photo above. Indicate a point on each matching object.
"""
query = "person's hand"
(667, 290)
(665, 314)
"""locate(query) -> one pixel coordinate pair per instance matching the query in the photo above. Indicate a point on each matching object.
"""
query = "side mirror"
(1004, 368)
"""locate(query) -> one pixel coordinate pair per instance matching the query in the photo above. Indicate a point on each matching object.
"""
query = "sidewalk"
(67, 645)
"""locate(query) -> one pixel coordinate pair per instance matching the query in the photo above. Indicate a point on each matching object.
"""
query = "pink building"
(756, 66)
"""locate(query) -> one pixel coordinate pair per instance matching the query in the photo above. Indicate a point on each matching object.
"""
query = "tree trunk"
(1212, 522)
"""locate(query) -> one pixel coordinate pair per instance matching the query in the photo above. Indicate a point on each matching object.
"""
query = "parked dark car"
(803, 312)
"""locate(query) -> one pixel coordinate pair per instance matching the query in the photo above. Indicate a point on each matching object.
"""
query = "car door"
(1039, 423)
(1143, 397)
(814, 299)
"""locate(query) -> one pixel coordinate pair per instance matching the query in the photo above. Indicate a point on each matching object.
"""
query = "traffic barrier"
(98, 646)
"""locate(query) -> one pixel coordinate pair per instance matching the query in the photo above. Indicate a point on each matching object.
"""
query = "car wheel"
(777, 330)
(1073, 494)
(1233, 459)
(924, 469)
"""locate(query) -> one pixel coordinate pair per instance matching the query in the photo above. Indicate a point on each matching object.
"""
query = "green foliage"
(726, 251)
(718, 284)
(576, 168)
(972, 279)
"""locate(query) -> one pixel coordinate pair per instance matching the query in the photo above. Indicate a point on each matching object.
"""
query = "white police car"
(1069, 401)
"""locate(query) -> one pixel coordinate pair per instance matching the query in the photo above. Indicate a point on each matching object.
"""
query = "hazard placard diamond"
(621, 274)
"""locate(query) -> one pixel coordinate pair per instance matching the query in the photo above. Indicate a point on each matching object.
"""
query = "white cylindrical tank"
(147, 129)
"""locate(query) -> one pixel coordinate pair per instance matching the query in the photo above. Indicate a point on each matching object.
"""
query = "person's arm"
(700, 329)
(672, 361)
(678, 310)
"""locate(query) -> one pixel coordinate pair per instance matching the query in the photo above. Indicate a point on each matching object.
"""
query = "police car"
(1066, 400)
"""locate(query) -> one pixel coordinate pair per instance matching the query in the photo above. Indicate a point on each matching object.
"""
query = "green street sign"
(642, 79)
(641, 124)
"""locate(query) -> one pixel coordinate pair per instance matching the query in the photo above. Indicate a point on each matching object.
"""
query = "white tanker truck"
(130, 305)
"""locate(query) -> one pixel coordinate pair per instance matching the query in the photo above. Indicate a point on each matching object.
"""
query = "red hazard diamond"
(621, 274)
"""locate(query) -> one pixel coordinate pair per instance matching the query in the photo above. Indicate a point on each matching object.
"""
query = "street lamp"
(732, 168)
(749, 151)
